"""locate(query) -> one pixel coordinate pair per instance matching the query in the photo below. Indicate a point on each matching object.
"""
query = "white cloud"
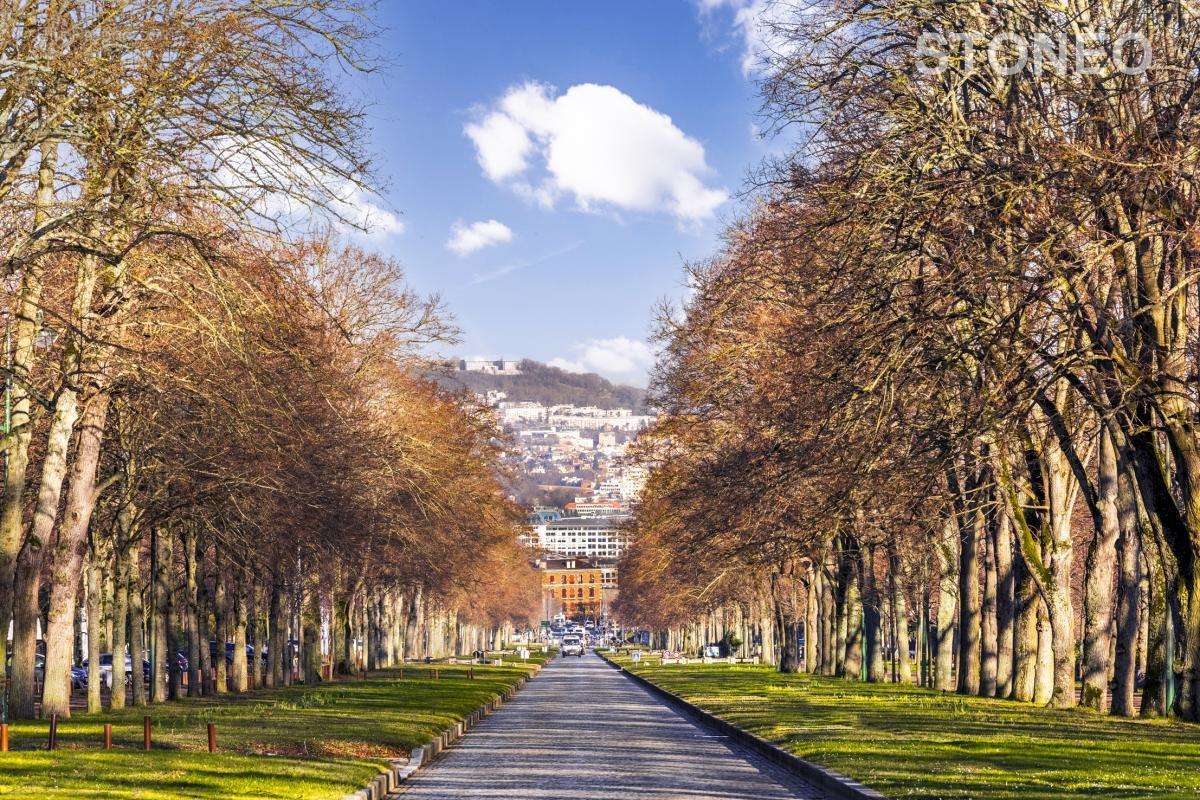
(618, 358)
(467, 239)
(597, 146)
(279, 192)
(502, 145)
(364, 216)
(752, 21)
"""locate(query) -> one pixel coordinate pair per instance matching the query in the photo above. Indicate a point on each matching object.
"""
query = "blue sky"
(540, 189)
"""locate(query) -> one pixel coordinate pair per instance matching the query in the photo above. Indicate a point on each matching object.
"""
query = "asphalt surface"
(582, 730)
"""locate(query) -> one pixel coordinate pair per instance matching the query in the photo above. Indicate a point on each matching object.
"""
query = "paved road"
(583, 731)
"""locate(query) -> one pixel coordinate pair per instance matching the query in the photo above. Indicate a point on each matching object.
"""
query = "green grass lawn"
(909, 742)
(291, 744)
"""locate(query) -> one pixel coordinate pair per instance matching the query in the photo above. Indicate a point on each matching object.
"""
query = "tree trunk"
(872, 616)
(220, 599)
(969, 602)
(120, 621)
(37, 542)
(900, 633)
(68, 553)
(137, 629)
(204, 617)
(1129, 600)
(1005, 606)
(829, 616)
(852, 666)
(95, 590)
(947, 558)
(177, 641)
(1098, 582)
(412, 643)
(196, 673)
(1155, 689)
(785, 603)
(257, 628)
(925, 674)
(25, 333)
(989, 647)
(811, 623)
(1043, 684)
(1025, 634)
(341, 632)
(239, 673)
(312, 635)
(278, 636)
(163, 660)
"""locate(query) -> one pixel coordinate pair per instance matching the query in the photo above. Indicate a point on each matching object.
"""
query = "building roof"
(560, 562)
(607, 522)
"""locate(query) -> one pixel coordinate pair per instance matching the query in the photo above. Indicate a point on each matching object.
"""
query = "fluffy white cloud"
(752, 22)
(467, 239)
(597, 146)
(502, 145)
(619, 358)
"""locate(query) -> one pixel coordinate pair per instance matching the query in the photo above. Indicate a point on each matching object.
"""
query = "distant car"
(79, 675)
(213, 649)
(572, 645)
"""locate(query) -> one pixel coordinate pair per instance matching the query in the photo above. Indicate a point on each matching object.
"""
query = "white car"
(572, 645)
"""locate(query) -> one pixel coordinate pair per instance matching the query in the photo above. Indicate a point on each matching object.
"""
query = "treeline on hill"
(551, 386)
(939, 390)
(215, 431)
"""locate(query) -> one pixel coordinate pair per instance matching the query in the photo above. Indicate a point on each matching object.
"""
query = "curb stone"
(825, 779)
(384, 784)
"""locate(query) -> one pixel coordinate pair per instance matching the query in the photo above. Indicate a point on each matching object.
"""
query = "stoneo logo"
(1008, 53)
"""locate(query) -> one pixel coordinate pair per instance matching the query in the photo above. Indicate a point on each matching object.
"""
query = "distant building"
(592, 507)
(518, 412)
(593, 418)
(608, 576)
(543, 514)
(499, 366)
(572, 586)
(591, 537)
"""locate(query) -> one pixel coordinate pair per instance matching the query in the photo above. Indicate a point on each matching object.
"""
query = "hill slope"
(548, 385)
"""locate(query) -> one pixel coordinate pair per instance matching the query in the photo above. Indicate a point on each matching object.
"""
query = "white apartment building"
(514, 413)
(589, 417)
(594, 537)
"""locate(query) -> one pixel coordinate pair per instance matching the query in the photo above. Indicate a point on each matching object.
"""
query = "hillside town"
(575, 462)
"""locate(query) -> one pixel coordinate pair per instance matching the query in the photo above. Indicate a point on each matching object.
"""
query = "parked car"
(572, 645)
(212, 649)
(79, 674)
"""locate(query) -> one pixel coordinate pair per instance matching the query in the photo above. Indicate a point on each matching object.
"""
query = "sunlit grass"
(911, 742)
(293, 744)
